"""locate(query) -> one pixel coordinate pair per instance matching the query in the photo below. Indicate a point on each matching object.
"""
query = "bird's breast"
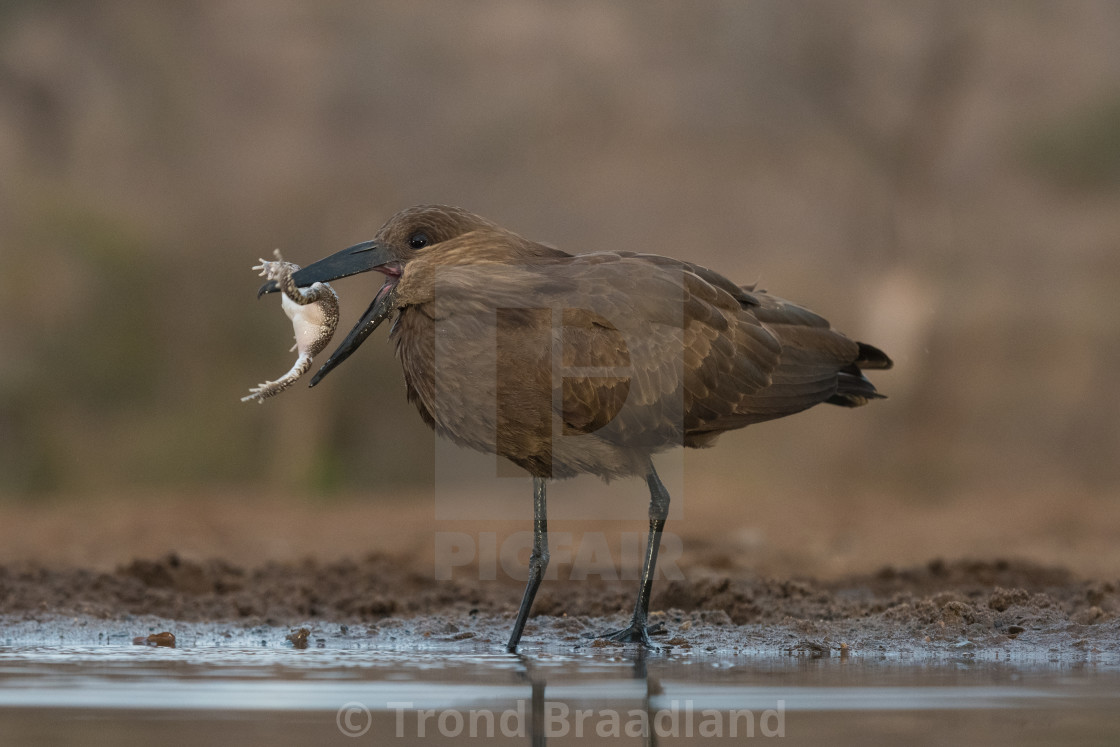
(527, 385)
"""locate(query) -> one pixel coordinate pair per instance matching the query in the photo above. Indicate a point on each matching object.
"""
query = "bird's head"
(424, 231)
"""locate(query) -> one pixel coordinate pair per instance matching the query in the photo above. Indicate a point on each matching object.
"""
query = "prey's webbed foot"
(277, 269)
(261, 392)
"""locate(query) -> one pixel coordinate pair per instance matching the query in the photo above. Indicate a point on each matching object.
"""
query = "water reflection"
(557, 718)
(349, 688)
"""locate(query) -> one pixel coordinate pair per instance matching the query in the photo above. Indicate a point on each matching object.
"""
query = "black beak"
(378, 311)
(350, 261)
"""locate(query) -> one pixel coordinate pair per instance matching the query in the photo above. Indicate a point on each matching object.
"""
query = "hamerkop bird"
(589, 363)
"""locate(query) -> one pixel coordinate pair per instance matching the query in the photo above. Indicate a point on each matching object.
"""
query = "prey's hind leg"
(281, 272)
(261, 392)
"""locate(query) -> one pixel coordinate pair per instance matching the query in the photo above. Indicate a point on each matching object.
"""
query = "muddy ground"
(196, 564)
(963, 606)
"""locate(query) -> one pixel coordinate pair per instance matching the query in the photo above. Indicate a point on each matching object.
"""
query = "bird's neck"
(480, 256)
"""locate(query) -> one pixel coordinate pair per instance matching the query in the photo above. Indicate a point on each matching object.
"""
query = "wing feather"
(658, 352)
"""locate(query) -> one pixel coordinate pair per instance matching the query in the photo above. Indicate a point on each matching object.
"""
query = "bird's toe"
(636, 632)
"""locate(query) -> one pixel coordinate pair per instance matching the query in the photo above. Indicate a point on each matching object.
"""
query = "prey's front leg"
(314, 315)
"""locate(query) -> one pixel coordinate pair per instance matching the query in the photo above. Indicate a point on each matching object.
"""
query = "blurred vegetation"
(938, 178)
(1083, 149)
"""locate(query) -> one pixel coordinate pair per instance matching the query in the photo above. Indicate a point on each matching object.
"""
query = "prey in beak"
(363, 257)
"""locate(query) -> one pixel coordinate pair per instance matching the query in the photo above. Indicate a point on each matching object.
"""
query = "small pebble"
(164, 639)
(298, 638)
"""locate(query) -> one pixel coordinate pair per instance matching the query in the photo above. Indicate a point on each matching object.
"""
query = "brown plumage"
(571, 364)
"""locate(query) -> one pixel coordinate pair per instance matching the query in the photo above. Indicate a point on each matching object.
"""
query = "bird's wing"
(652, 351)
(705, 355)
(812, 356)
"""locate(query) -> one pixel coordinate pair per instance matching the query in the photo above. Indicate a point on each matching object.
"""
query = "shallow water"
(244, 688)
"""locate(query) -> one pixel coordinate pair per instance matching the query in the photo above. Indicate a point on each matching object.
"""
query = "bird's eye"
(418, 240)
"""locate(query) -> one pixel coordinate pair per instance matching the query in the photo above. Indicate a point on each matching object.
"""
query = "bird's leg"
(538, 560)
(638, 631)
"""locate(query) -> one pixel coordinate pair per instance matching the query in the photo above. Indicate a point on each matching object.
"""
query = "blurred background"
(941, 179)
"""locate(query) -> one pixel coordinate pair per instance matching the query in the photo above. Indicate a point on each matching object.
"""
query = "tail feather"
(852, 387)
(853, 390)
(872, 357)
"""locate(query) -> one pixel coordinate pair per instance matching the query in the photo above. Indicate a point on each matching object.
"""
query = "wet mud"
(957, 607)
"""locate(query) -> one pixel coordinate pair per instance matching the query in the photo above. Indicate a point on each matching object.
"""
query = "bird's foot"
(636, 632)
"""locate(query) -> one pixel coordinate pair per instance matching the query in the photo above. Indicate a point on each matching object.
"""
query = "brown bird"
(585, 364)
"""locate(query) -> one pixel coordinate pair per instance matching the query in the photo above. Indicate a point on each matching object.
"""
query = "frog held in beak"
(363, 257)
